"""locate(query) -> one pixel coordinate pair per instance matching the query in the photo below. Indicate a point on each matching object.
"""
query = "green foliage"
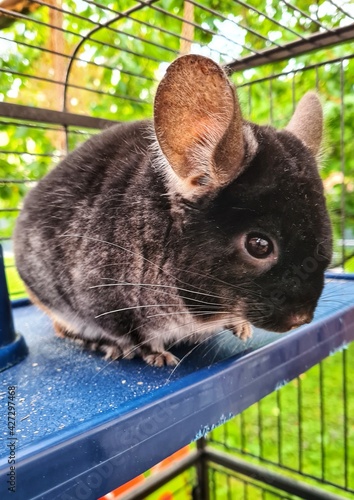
(13, 279)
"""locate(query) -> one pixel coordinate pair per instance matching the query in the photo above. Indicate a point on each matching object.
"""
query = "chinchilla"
(156, 232)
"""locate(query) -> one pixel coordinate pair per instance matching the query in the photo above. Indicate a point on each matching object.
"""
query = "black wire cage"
(70, 68)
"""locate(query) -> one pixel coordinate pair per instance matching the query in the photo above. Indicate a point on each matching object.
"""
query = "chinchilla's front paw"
(242, 330)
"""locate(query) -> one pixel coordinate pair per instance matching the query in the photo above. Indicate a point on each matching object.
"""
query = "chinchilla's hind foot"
(114, 351)
(110, 351)
(152, 355)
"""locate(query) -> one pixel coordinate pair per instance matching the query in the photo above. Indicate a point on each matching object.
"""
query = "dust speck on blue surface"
(208, 428)
(340, 348)
(281, 384)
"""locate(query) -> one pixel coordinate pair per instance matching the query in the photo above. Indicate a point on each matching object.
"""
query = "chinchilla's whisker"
(181, 361)
(211, 335)
(335, 292)
(127, 354)
(109, 362)
(191, 334)
(204, 275)
(147, 341)
(190, 352)
(90, 238)
(156, 286)
(237, 323)
(123, 357)
(143, 306)
(196, 330)
(157, 266)
(192, 299)
(156, 336)
(333, 301)
(179, 340)
(218, 280)
(197, 313)
(334, 296)
(256, 315)
(218, 344)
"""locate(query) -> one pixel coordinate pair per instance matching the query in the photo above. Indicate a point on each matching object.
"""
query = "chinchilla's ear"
(307, 122)
(198, 125)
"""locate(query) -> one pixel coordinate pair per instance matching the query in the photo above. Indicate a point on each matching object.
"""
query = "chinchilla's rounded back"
(162, 231)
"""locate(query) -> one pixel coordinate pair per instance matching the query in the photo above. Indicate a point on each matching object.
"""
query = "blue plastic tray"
(84, 426)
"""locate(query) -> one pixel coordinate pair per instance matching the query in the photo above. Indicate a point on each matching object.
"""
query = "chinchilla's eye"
(258, 245)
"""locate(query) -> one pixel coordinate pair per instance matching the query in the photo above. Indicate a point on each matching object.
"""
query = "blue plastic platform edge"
(93, 461)
(340, 276)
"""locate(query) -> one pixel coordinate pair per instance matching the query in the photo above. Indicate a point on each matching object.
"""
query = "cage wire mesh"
(179, 488)
(231, 486)
(69, 68)
(304, 430)
(224, 485)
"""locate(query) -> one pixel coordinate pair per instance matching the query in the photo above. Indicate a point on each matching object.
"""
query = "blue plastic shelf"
(84, 426)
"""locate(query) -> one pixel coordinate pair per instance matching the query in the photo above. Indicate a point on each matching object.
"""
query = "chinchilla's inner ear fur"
(307, 122)
(198, 125)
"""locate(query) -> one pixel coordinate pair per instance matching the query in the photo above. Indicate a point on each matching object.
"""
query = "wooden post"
(187, 33)
(56, 43)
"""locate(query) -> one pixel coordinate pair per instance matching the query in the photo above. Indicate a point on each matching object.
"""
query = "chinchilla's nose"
(297, 319)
